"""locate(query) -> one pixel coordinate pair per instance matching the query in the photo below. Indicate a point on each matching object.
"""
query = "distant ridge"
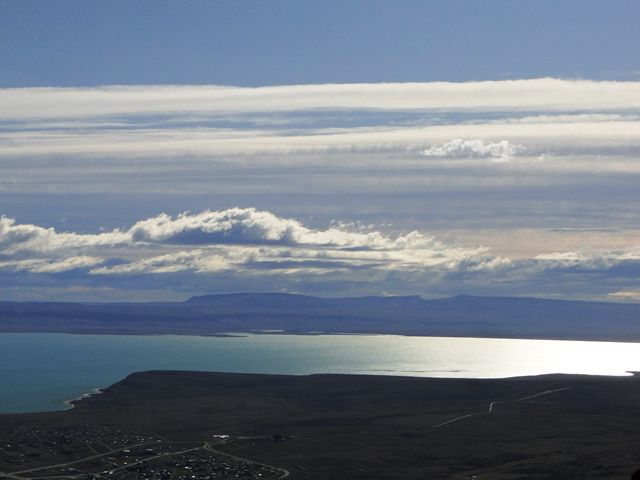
(462, 315)
(294, 299)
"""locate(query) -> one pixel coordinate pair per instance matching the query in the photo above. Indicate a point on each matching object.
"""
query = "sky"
(157, 150)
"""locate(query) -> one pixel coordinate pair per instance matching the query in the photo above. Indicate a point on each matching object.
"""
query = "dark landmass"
(501, 317)
(334, 427)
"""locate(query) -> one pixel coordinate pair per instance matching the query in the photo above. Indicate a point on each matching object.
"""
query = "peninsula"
(196, 425)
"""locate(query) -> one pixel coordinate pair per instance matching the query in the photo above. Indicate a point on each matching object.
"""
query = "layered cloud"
(590, 262)
(253, 247)
(588, 137)
(19, 238)
(546, 94)
(442, 166)
(38, 265)
(223, 239)
(495, 119)
(251, 226)
(235, 226)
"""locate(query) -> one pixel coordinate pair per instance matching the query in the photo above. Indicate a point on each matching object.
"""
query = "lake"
(39, 371)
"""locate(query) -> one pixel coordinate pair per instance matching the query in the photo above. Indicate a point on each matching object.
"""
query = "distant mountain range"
(506, 317)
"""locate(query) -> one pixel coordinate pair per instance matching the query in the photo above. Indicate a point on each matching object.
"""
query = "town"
(93, 452)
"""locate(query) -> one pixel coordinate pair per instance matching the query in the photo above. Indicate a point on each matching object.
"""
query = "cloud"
(193, 260)
(626, 295)
(243, 238)
(16, 238)
(429, 158)
(252, 145)
(499, 151)
(252, 226)
(148, 121)
(217, 132)
(548, 94)
(255, 249)
(237, 236)
(595, 260)
(236, 225)
(51, 266)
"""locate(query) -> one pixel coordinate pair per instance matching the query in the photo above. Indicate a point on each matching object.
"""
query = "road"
(284, 473)
(16, 475)
(529, 394)
(206, 446)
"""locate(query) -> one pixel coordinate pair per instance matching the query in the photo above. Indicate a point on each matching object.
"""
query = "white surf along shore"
(71, 402)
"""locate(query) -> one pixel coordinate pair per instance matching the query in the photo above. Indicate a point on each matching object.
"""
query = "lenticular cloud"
(251, 226)
(235, 225)
(250, 245)
(212, 241)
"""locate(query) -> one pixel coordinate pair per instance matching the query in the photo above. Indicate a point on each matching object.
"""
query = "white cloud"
(215, 145)
(570, 118)
(248, 244)
(237, 237)
(15, 238)
(216, 240)
(251, 226)
(547, 94)
(501, 152)
(169, 263)
(267, 128)
(236, 225)
(498, 151)
(626, 295)
(52, 266)
(589, 261)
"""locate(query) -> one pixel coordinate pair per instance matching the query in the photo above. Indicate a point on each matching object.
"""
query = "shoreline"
(549, 426)
(70, 403)
(231, 357)
(267, 333)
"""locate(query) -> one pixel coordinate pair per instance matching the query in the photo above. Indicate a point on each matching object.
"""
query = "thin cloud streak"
(609, 137)
(548, 94)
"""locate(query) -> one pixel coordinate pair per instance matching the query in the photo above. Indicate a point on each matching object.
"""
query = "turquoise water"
(39, 372)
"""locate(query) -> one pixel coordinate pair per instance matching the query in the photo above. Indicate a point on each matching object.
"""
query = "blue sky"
(82, 43)
(329, 148)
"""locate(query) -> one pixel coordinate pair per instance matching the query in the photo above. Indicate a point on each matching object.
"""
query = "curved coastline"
(70, 403)
(102, 360)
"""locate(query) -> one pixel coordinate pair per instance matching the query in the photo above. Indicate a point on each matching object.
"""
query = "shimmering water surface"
(39, 371)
